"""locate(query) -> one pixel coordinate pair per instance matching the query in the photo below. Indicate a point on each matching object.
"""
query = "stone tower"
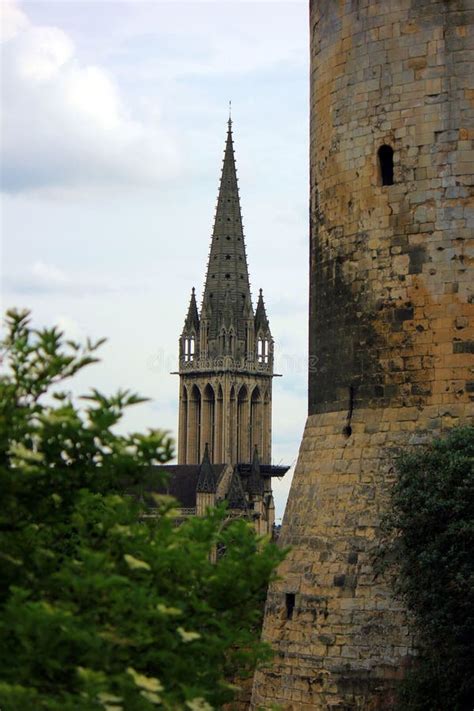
(226, 350)
(391, 339)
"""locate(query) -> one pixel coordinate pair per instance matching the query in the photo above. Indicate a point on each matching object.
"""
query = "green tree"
(105, 604)
(430, 552)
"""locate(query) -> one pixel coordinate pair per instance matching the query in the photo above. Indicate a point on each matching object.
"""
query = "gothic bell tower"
(226, 349)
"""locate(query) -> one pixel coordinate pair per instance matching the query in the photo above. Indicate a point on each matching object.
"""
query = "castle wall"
(391, 336)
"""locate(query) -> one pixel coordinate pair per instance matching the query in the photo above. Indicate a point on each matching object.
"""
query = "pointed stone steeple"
(191, 322)
(261, 319)
(227, 284)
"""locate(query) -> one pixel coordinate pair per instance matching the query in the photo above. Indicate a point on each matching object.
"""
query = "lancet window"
(189, 346)
(263, 350)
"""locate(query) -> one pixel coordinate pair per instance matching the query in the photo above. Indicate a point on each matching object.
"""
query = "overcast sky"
(113, 128)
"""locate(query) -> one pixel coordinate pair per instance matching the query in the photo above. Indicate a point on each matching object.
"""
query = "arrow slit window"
(385, 154)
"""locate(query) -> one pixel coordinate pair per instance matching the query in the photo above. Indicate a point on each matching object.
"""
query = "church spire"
(227, 281)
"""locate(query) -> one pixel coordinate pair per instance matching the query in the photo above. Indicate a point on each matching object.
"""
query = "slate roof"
(182, 481)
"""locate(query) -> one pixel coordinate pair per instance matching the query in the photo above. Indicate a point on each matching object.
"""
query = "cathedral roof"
(227, 287)
(180, 481)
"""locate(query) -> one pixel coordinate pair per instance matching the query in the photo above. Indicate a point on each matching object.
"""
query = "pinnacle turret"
(207, 479)
(191, 323)
(236, 495)
(261, 319)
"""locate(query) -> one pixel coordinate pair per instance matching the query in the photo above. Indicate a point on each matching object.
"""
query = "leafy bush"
(103, 606)
(431, 555)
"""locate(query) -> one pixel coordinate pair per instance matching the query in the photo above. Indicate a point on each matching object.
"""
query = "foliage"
(104, 603)
(430, 553)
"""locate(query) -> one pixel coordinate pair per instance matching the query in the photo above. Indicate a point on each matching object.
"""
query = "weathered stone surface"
(391, 334)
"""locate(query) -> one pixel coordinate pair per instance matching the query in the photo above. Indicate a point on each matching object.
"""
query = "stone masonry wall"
(391, 334)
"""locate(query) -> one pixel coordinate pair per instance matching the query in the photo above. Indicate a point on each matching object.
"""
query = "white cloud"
(64, 123)
(12, 20)
(41, 53)
(42, 278)
(48, 274)
(222, 38)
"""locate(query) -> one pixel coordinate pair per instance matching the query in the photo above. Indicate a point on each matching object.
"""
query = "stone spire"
(261, 319)
(191, 322)
(227, 284)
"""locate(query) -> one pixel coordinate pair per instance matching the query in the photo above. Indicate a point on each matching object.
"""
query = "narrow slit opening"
(385, 155)
(290, 605)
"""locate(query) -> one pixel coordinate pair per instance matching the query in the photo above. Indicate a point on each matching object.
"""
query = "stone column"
(194, 426)
(183, 424)
(267, 428)
(219, 427)
(207, 420)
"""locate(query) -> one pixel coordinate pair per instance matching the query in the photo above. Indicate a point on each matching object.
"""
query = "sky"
(113, 127)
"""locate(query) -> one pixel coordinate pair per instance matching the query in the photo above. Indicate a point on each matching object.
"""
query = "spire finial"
(230, 114)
